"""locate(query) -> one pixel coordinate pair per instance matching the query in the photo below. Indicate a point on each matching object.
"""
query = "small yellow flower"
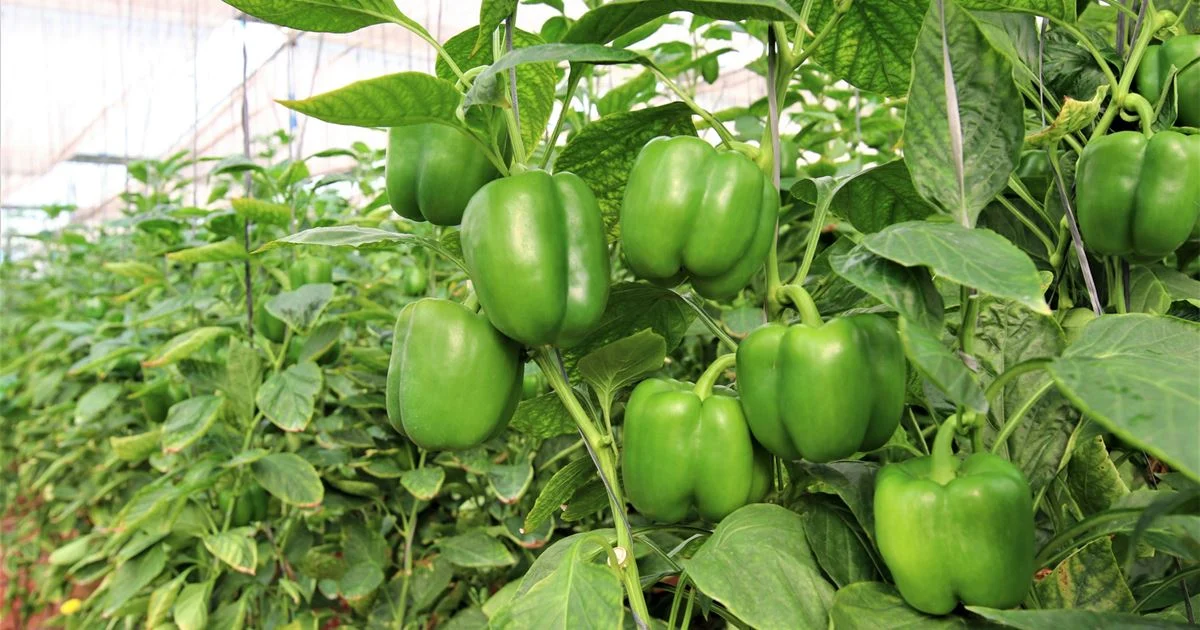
(70, 607)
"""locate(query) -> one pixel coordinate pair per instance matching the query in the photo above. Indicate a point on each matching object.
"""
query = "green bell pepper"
(267, 324)
(310, 271)
(691, 211)
(1152, 74)
(535, 249)
(686, 447)
(954, 532)
(822, 391)
(453, 380)
(432, 170)
(1138, 196)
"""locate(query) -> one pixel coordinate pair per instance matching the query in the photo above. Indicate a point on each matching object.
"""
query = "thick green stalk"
(803, 303)
(704, 384)
(945, 463)
(603, 454)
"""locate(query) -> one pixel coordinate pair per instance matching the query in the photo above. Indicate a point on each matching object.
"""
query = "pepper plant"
(945, 272)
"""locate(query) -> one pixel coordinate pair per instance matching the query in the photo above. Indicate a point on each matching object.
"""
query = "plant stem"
(1014, 419)
(1041, 236)
(704, 384)
(803, 303)
(710, 322)
(1069, 211)
(945, 464)
(997, 387)
(726, 138)
(410, 530)
(603, 453)
(572, 83)
(966, 332)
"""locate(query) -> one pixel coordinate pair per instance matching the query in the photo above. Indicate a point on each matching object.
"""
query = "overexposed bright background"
(88, 85)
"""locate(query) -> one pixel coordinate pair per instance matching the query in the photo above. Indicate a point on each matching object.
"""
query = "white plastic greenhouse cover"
(88, 85)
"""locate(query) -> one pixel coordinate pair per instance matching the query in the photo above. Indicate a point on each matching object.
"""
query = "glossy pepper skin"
(250, 507)
(310, 271)
(1136, 196)
(432, 170)
(822, 393)
(954, 531)
(683, 452)
(691, 211)
(453, 380)
(535, 248)
(268, 325)
(1152, 74)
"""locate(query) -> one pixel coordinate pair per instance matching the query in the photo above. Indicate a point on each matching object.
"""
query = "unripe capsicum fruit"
(691, 212)
(952, 531)
(536, 252)
(688, 447)
(432, 170)
(1183, 52)
(822, 390)
(1137, 196)
(453, 380)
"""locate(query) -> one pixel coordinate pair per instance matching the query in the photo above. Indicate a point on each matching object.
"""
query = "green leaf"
(863, 52)
(321, 341)
(543, 417)
(325, 16)
(729, 567)
(191, 607)
(1092, 478)
(133, 576)
(476, 550)
(960, 157)
(188, 421)
(618, 364)
(1090, 578)
(424, 483)
(491, 88)
(1147, 293)
(908, 290)
(1126, 373)
(243, 373)
(945, 370)
(135, 270)
(535, 81)
(235, 548)
(510, 482)
(1006, 335)
(1062, 9)
(96, 401)
(559, 490)
(364, 238)
(185, 345)
(289, 398)
(491, 14)
(1071, 619)
(221, 251)
(633, 307)
(260, 211)
(301, 308)
(289, 478)
(135, 448)
(392, 100)
(977, 258)
(878, 605)
(613, 19)
(880, 196)
(162, 599)
(566, 588)
(838, 545)
(603, 152)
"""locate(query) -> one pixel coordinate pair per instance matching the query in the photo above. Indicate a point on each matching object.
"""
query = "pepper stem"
(945, 464)
(803, 303)
(704, 384)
